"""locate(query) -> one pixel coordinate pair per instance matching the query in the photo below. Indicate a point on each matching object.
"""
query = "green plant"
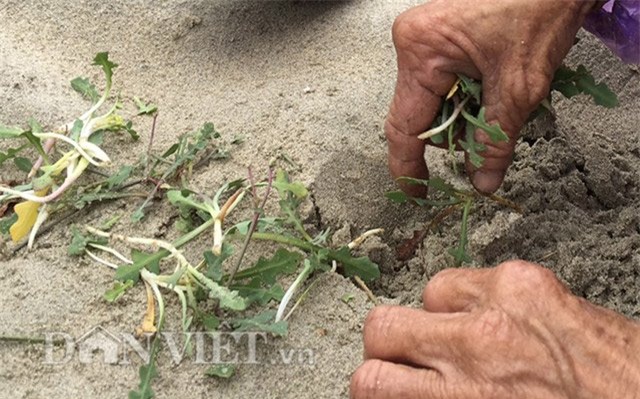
(460, 115)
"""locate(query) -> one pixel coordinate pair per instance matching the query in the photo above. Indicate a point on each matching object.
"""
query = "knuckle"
(495, 324)
(377, 324)
(522, 274)
(364, 381)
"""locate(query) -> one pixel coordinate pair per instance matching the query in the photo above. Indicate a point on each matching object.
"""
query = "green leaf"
(140, 261)
(438, 138)
(80, 242)
(256, 291)
(284, 186)
(184, 199)
(346, 298)
(397, 196)
(117, 291)
(144, 109)
(228, 299)
(471, 87)
(7, 132)
(85, 88)
(221, 371)
(147, 373)
(214, 262)
(11, 153)
(7, 222)
(76, 129)
(472, 147)
(151, 264)
(362, 267)
(23, 164)
(495, 132)
(267, 270)
(210, 322)
(570, 83)
(263, 322)
(120, 177)
(128, 127)
(102, 59)
(459, 253)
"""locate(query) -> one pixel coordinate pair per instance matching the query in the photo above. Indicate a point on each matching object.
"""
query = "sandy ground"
(311, 80)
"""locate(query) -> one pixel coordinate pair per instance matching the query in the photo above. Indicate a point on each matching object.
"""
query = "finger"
(411, 336)
(509, 99)
(456, 290)
(412, 111)
(377, 379)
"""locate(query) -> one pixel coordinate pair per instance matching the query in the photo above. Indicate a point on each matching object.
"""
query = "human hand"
(513, 331)
(513, 46)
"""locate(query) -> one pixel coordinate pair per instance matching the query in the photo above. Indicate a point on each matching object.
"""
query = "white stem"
(100, 260)
(112, 252)
(217, 237)
(43, 214)
(358, 241)
(432, 132)
(72, 143)
(292, 290)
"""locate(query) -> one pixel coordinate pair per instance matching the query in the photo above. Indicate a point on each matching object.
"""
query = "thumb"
(508, 102)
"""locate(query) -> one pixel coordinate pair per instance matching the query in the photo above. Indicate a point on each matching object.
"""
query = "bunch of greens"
(462, 111)
(216, 292)
(54, 173)
(460, 115)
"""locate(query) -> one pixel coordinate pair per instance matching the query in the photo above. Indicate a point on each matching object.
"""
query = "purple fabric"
(617, 24)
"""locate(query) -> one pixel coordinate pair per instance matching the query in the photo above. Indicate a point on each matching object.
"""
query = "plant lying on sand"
(217, 291)
(460, 115)
(52, 176)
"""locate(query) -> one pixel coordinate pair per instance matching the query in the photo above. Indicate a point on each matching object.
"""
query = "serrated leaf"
(144, 109)
(255, 291)
(227, 299)
(214, 262)
(471, 87)
(117, 291)
(268, 269)
(102, 59)
(79, 242)
(570, 83)
(85, 88)
(140, 260)
(221, 371)
(284, 186)
(362, 267)
(495, 132)
(263, 322)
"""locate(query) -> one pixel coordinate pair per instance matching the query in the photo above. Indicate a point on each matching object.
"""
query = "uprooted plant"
(216, 292)
(461, 114)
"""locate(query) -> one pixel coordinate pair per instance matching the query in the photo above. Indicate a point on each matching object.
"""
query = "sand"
(311, 80)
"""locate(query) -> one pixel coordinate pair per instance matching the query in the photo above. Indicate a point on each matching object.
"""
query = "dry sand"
(311, 80)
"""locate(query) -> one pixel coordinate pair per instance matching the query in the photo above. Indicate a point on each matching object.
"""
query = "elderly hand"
(513, 331)
(513, 46)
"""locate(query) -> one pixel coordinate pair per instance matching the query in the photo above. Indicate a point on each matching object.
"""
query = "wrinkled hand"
(513, 46)
(513, 331)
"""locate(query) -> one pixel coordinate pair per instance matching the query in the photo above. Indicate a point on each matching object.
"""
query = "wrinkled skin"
(513, 331)
(514, 46)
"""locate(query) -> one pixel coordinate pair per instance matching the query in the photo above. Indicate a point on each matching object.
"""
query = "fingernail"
(487, 181)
